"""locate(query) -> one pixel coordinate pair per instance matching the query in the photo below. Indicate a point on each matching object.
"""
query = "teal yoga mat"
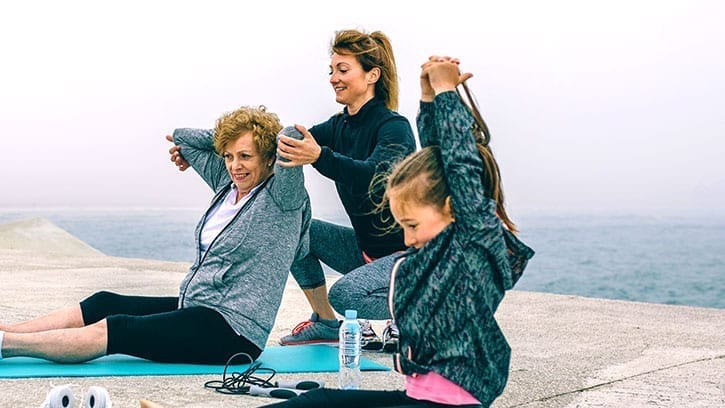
(291, 359)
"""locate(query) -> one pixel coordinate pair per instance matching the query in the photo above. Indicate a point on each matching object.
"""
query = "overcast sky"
(615, 107)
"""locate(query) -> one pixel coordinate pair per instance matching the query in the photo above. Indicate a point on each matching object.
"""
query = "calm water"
(673, 260)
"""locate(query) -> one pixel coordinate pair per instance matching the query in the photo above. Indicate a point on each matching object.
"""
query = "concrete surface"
(568, 351)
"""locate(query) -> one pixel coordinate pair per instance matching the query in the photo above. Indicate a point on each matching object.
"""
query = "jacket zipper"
(198, 237)
(392, 285)
(396, 357)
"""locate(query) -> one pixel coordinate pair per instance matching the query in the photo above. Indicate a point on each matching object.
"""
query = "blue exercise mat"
(290, 359)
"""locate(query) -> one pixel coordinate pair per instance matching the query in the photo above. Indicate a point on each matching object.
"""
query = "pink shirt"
(434, 387)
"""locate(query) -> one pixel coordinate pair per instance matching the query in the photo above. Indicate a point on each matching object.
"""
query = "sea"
(678, 260)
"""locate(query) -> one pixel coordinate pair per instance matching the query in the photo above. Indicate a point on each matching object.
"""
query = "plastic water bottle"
(350, 352)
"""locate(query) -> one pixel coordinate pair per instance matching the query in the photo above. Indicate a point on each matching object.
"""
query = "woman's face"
(246, 166)
(352, 85)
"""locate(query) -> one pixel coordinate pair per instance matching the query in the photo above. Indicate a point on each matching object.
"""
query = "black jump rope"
(246, 382)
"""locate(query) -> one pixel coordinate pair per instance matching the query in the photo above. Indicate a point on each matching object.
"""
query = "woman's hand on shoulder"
(440, 74)
(298, 152)
(176, 157)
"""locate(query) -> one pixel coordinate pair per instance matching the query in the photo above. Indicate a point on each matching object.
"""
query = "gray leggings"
(364, 287)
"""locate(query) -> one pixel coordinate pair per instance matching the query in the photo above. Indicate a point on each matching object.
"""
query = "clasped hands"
(440, 74)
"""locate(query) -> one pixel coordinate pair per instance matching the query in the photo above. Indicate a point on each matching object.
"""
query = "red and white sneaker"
(313, 331)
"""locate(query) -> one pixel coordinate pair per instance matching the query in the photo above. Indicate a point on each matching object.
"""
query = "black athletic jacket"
(354, 149)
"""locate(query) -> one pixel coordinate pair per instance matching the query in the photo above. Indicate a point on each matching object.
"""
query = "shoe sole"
(373, 345)
(390, 346)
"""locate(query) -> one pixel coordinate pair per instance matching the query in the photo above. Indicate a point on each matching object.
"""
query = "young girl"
(445, 290)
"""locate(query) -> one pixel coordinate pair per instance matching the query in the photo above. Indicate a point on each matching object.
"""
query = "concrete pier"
(568, 351)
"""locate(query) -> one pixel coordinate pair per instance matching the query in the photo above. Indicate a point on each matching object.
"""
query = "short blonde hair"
(264, 127)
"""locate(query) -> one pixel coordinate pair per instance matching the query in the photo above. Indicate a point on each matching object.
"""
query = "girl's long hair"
(491, 177)
(425, 167)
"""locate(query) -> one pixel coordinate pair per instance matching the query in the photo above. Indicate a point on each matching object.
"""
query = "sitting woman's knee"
(102, 297)
(339, 296)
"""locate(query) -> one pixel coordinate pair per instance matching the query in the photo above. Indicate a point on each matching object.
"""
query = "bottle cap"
(350, 314)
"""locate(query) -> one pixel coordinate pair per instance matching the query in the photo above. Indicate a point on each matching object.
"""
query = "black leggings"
(328, 397)
(155, 328)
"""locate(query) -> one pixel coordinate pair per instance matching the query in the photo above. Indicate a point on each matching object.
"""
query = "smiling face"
(420, 222)
(352, 85)
(246, 166)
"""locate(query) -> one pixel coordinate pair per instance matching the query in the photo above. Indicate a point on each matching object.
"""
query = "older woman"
(255, 227)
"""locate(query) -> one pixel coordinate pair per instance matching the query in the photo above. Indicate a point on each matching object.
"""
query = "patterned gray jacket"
(444, 295)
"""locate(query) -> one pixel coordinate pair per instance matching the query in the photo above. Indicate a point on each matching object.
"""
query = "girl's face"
(247, 168)
(420, 223)
(353, 86)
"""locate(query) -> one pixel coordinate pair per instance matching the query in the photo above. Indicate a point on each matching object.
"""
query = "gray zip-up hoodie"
(243, 273)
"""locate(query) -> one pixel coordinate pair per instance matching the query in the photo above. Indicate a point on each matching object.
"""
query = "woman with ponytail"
(351, 148)
(444, 291)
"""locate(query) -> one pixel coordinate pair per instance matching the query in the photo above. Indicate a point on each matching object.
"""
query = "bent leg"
(332, 244)
(336, 246)
(365, 289)
(317, 298)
